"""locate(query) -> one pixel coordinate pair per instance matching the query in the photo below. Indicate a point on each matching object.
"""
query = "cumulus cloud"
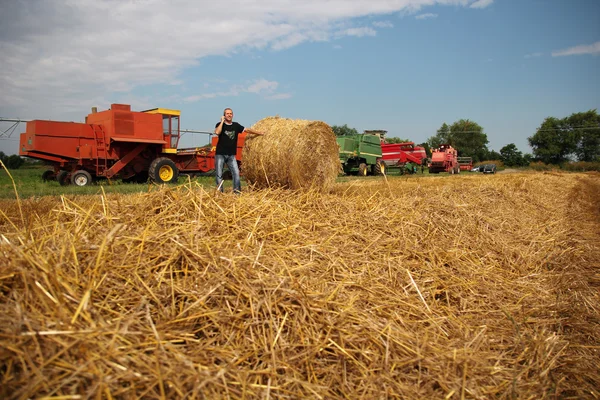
(481, 3)
(59, 54)
(582, 49)
(426, 16)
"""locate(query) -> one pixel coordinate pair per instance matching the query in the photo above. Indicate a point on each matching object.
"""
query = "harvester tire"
(48, 175)
(81, 178)
(163, 170)
(379, 168)
(362, 169)
(63, 178)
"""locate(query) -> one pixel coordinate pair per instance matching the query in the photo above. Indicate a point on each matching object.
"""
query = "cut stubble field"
(449, 287)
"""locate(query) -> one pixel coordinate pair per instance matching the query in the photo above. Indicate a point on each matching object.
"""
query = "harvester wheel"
(380, 168)
(63, 178)
(81, 178)
(48, 175)
(163, 170)
(458, 170)
(362, 169)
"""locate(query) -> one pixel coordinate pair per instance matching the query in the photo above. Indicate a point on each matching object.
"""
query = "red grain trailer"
(465, 163)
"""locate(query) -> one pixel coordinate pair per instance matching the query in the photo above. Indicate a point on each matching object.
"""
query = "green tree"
(587, 130)
(464, 135)
(343, 130)
(560, 140)
(552, 143)
(491, 155)
(396, 140)
(442, 136)
(13, 162)
(511, 156)
(427, 149)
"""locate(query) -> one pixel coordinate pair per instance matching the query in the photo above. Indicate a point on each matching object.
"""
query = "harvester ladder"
(101, 150)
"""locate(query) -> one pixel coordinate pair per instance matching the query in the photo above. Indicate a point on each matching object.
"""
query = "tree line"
(12, 161)
(556, 141)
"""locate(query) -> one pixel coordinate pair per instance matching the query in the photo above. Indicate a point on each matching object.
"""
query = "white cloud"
(383, 24)
(59, 54)
(533, 55)
(593, 49)
(426, 16)
(261, 87)
(481, 3)
(358, 32)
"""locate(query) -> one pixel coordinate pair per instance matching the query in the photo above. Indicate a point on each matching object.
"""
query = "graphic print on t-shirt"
(230, 134)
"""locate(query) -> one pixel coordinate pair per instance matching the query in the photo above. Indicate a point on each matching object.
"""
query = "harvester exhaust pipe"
(94, 110)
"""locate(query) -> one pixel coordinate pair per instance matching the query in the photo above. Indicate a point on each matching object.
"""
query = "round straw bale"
(294, 154)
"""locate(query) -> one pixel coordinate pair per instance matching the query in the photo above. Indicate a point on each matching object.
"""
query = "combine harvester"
(403, 156)
(361, 154)
(116, 144)
(444, 159)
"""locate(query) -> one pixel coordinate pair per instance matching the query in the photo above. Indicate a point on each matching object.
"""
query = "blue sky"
(406, 66)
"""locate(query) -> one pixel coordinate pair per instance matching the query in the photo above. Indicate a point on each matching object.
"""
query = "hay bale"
(295, 154)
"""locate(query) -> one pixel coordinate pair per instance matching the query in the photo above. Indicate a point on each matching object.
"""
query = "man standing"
(227, 130)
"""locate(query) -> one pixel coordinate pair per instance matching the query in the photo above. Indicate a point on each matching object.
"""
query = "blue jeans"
(220, 160)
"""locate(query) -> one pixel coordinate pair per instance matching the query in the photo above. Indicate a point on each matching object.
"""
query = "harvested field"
(451, 287)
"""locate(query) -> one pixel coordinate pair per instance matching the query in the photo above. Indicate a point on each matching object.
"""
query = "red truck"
(444, 159)
(116, 143)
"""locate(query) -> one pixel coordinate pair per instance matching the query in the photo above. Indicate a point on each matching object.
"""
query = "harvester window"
(174, 130)
(166, 126)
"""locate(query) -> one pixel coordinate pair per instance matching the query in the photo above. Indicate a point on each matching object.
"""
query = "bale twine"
(294, 154)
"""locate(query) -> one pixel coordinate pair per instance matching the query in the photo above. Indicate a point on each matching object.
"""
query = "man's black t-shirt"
(227, 144)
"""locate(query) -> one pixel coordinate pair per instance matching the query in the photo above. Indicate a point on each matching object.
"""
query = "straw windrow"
(473, 287)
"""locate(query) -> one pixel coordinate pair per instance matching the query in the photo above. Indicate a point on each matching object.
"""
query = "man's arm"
(253, 132)
(219, 127)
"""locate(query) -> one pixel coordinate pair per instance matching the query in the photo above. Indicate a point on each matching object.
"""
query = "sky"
(405, 66)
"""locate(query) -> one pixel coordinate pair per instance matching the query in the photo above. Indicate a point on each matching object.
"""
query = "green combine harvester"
(361, 154)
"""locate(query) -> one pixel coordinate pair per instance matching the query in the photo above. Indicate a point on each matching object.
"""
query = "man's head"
(228, 113)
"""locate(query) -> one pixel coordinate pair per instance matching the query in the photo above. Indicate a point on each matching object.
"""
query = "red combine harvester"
(116, 143)
(444, 159)
(397, 155)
